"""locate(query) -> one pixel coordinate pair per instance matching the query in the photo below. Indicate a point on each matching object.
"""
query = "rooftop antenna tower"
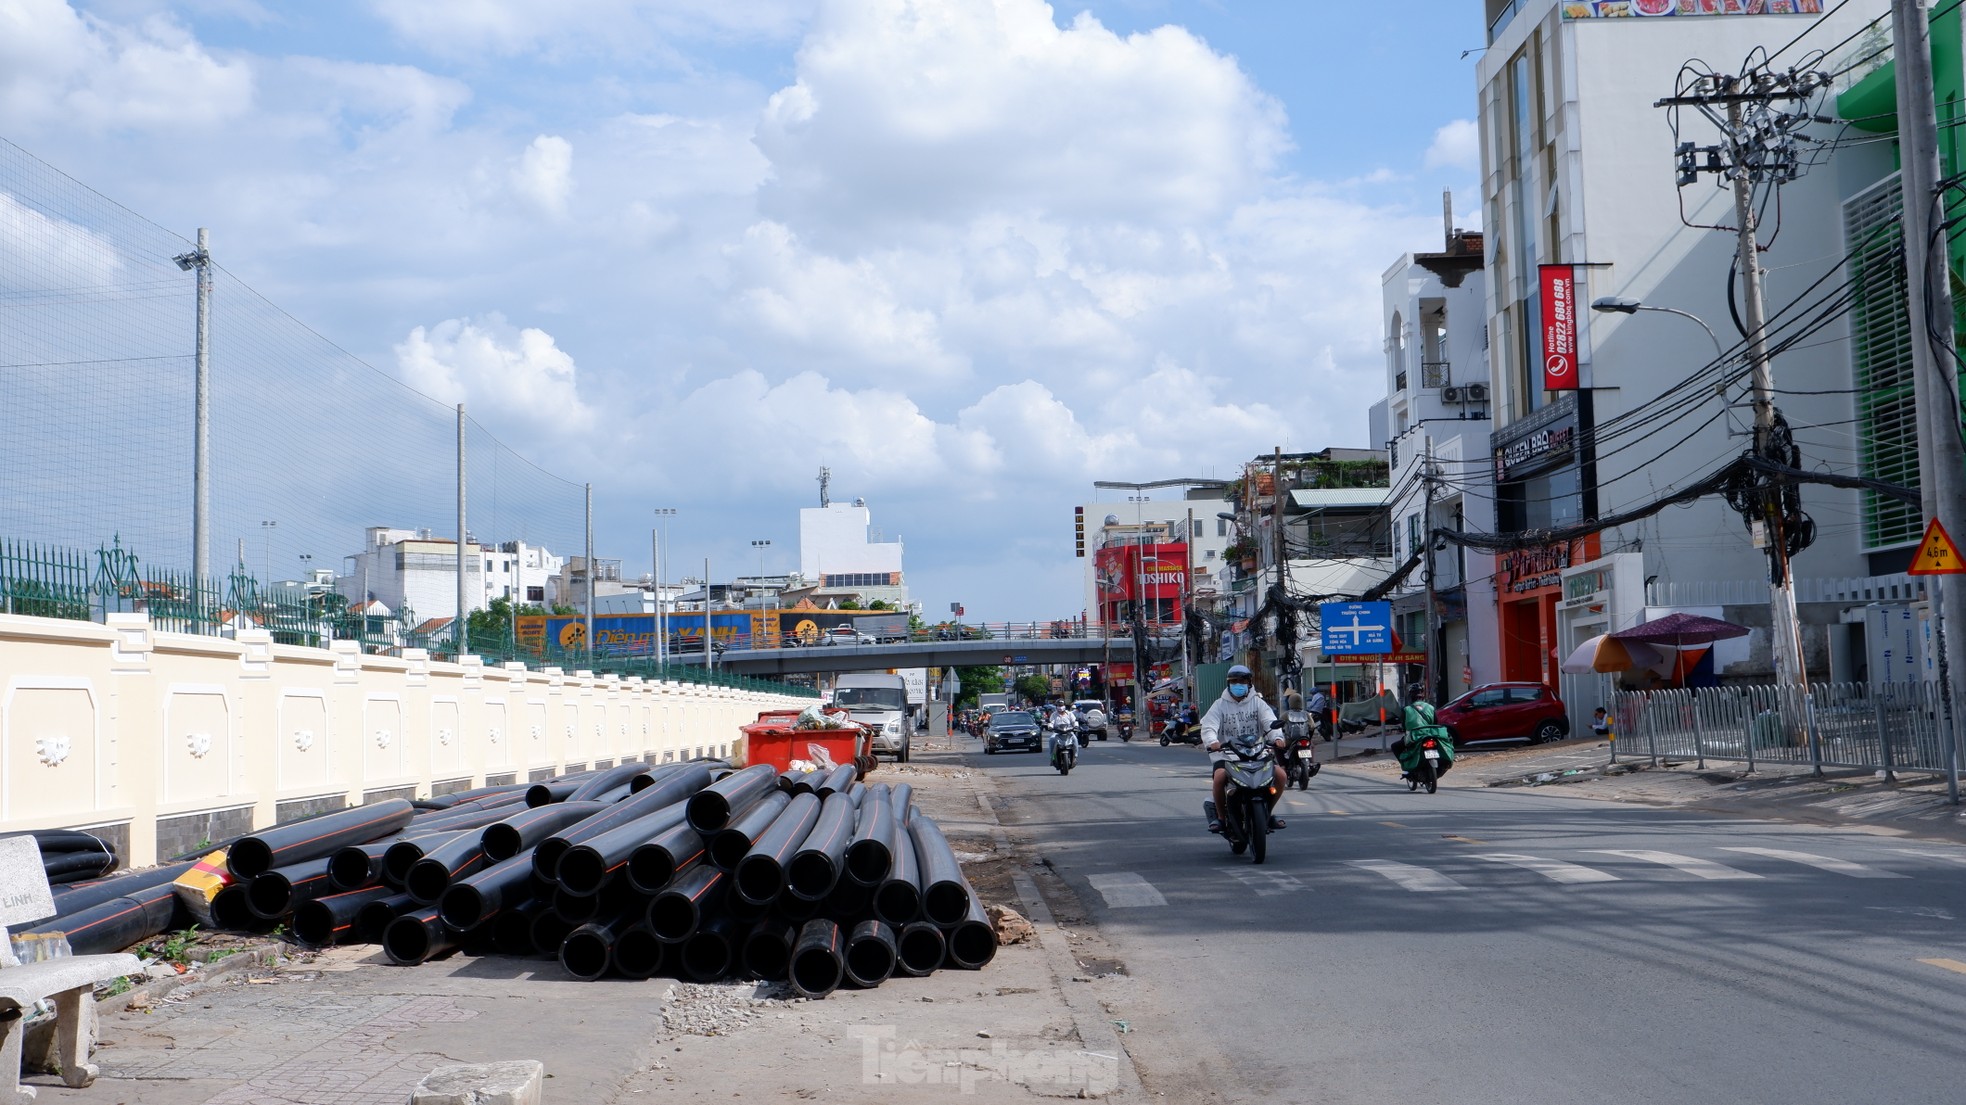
(825, 487)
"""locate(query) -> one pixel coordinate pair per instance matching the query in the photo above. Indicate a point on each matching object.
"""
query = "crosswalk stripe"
(1552, 869)
(1949, 857)
(1126, 890)
(1826, 863)
(1406, 875)
(1265, 882)
(1699, 868)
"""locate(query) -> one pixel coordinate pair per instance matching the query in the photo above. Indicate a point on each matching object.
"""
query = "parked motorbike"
(1176, 732)
(1252, 783)
(1300, 748)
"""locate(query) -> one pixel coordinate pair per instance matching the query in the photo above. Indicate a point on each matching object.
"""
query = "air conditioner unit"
(1475, 393)
(1450, 394)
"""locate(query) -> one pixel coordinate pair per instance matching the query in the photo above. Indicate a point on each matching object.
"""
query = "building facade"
(840, 550)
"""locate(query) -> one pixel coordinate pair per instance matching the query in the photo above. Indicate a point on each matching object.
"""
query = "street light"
(266, 549)
(662, 514)
(1621, 305)
(761, 545)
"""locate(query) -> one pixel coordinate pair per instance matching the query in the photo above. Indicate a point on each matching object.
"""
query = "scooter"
(1251, 786)
(1176, 732)
(1300, 749)
(1064, 750)
(1424, 761)
(1124, 723)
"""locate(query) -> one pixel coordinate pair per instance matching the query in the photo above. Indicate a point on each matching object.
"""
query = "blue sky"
(972, 255)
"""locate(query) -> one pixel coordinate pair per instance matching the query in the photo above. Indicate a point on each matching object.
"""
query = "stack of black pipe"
(68, 856)
(690, 870)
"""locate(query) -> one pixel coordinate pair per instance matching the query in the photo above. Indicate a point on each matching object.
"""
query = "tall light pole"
(266, 549)
(761, 545)
(662, 516)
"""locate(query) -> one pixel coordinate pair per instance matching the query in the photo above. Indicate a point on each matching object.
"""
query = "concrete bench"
(69, 981)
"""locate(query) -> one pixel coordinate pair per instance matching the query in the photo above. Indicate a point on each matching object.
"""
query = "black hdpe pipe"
(815, 867)
(605, 780)
(330, 918)
(81, 896)
(477, 898)
(445, 801)
(520, 831)
(945, 893)
(638, 954)
(656, 864)
(899, 798)
(767, 951)
(817, 967)
(857, 792)
(803, 782)
(922, 948)
(835, 781)
(275, 894)
(972, 942)
(714, 806)
(671, 789)
(870, 852)
(51, 841)
(654, 775)
(414, 937)
(556, 790)
(511, 929)
(898, 900)
(736, 838)
(747, 912)
(358, 865)
(77, 866)
(410, 850)
(711, 950)
(586, 867)
(761, 873)
(548, 930)
(848, 900)
(682, 908)
(232, 913)
(587, 950)
(788, 780)
(116, 924)
(455, 858)
(317, 836)
(372, 920)
(870, 954)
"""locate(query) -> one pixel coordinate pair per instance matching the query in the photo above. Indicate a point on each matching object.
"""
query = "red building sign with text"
(1559, 327)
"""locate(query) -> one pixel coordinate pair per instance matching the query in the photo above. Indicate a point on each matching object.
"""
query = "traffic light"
(1078, 528)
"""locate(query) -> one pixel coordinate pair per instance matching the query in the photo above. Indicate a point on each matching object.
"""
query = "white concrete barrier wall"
(164, 740)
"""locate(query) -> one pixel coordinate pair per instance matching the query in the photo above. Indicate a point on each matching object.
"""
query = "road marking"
(1338, 813)
(1931, 911)
(1393, 824)
(1700, 868)
(1949, 857)
(1554, 870)
(1422, 879)
(1126, 890)
(1266, 884)
(1826, 863)
(1946, 964)
(1462, 839)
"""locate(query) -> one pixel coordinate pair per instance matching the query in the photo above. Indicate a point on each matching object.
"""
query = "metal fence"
(1891, 728)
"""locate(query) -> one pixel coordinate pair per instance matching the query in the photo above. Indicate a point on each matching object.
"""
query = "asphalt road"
(1503, 946)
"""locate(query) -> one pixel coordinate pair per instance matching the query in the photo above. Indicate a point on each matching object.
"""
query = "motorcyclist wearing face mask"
(1239, 713)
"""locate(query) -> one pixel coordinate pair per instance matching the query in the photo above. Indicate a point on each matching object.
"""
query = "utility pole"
(1941, 455)
(1758, 150)
(589, 604)
(1427, 535)
(463, 638)
(1187, 596)
(709, 645)
(1288, 661)
(201, 433)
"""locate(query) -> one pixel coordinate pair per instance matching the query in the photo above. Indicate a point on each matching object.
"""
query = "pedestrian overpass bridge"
(925, 654)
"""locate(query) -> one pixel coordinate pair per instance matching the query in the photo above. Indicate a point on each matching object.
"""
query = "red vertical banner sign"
(1559, 327)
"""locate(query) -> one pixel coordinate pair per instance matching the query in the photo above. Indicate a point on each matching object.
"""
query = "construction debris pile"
(692, 871)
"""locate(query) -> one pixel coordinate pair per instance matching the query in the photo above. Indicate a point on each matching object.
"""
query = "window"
(1412, 533)
(1194, 528)
(1221, 527)
(535, 594)
(860, 579)
(1525, 694)
(1494, 696)
(1211, 554)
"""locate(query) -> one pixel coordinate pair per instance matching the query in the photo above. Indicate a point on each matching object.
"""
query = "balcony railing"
(1399, 381)
(1433, 374)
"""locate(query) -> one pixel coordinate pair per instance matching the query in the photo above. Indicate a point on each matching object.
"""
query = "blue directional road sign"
(1355, 628)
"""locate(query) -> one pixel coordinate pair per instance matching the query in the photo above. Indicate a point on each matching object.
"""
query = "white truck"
(917, 681)
(878, 700)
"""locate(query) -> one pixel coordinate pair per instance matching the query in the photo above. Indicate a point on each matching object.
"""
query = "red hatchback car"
(1499, 711)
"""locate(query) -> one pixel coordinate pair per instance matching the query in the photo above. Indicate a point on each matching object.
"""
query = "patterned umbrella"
(1679, 629)
(1604, 653)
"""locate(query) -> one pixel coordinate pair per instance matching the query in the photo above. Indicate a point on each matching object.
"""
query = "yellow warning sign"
(1937, 555)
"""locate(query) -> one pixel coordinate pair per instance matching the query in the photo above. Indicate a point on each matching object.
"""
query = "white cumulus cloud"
(519, 376)
(544, 175)
(1456, 146)
(59, 64)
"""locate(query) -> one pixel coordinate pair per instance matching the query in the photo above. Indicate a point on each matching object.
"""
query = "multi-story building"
(415, 574)
(1193, 521)
(839, 548)
(1434, 423)
(1578, 171)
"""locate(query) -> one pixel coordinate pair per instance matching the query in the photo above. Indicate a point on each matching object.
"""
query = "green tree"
(880, 604)
(491, 628)
(849, 604)
(1032, 688)
(978, 681)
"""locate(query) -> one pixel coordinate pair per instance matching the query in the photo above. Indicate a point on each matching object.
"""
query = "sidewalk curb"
(1094, 1029)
